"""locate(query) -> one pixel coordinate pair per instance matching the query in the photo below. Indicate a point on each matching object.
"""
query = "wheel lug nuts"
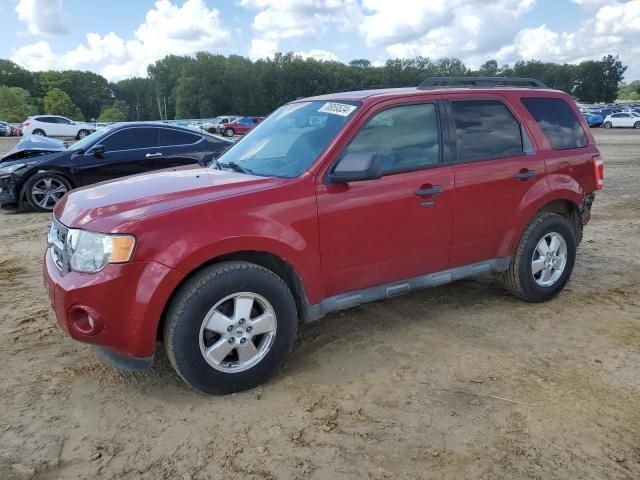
(249, 329)
(232, 340)
(229, 328)
(243, 340)
(241, 321)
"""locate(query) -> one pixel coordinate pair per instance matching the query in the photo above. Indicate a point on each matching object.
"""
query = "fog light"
(83, 321)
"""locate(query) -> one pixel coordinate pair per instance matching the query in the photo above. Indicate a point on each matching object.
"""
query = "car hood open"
(32, 146)
(105, 206)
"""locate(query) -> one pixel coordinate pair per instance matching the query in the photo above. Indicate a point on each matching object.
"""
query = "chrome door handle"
(152, 155)
(429, 191)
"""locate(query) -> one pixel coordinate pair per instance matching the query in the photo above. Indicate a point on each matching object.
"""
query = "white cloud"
(285, 19)
(43, 16)
(318, 54)
(167, 29)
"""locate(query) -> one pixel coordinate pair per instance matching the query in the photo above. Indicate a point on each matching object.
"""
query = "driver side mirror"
(98, 150)
(356, 167)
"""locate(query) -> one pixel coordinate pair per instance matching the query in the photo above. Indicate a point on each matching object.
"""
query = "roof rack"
(484, 82)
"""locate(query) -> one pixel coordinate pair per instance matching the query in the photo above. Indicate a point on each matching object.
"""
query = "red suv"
(331, 202)
(240, 126)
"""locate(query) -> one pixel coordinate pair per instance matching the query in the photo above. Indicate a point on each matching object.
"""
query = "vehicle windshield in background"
(91, 139)
(287, 142)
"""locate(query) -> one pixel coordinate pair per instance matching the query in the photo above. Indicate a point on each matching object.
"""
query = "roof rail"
(484, 82)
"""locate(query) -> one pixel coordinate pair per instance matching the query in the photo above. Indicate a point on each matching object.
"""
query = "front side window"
(132, 138)
(287, 142)
(557, 121)
(406, 137)
(486, 130)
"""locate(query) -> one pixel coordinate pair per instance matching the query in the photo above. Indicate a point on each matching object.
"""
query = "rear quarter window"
(557, 121)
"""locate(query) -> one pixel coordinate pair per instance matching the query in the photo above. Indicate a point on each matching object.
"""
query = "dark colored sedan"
(39, 170)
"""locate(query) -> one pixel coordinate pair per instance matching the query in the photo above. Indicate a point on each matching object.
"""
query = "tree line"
(206, 85)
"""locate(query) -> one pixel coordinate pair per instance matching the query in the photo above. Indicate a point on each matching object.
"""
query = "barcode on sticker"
(342, 109)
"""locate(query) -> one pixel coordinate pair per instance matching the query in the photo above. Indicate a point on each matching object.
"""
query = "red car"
(240, 126)
(331, 202)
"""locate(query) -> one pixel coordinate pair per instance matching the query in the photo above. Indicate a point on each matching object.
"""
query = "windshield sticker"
(342, 109)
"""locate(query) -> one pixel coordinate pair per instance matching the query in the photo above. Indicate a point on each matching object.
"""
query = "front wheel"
(39, 132)
(228, 132)
(44, 190)
(82, 134)
(608, 125)
(230, 327)
(544, 259)
(636, 125)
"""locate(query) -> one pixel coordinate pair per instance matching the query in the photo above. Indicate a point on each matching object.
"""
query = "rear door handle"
(152, 155)
(429, 191)
(526, 174)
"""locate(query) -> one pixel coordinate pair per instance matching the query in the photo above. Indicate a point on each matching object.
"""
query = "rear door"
(127, 152)
(495, 166)
(396, 227)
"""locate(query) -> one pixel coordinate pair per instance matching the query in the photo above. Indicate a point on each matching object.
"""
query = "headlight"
(91, 252)
(11, 168)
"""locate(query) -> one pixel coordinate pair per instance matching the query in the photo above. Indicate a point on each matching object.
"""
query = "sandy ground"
(461, 381)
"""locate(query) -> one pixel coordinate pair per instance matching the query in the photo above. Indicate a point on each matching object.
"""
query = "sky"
(119, 38)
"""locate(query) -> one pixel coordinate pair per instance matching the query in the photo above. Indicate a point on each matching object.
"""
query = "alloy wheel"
(47, 192)
(238, 332)
(549, 259)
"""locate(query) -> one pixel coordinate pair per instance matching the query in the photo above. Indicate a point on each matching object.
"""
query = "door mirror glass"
(98, 150)
(356, 167)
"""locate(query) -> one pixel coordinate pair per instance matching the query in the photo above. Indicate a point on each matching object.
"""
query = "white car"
(56, 126)
(622, 119)
(213, 126)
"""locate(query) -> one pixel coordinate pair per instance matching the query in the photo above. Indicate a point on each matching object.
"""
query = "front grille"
(58, 241)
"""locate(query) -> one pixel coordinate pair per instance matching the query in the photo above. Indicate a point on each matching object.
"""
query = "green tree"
(489, 68)
(112, 114)
(15, 104)
(57, 102)
(88, 90)
(12, 75)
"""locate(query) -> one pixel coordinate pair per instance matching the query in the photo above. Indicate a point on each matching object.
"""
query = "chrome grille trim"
(57, 240)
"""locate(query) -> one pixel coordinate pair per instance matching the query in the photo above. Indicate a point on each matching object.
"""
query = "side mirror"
(98, 150)
(356, 167)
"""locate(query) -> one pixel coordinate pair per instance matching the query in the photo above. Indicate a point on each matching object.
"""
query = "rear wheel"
(39, 132)
(229, 132)
(230, 327)
(44, 190)
(544, 259)
(608, 125)
(82, 134)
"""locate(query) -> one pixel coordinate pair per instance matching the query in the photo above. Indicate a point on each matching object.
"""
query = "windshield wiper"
(235, 167)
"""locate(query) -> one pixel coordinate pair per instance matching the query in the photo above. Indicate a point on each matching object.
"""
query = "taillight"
(598, 171)
(26, 124)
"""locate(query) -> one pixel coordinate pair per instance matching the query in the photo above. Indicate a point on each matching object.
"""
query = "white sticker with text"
(342, 109)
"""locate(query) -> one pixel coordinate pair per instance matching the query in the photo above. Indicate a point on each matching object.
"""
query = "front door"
(397, 227)
(126, 152)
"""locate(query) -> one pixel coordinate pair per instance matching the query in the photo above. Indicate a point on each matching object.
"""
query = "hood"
(32, 146)
(105, 206)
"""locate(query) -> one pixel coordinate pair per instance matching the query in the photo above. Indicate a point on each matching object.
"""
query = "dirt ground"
(460, 381)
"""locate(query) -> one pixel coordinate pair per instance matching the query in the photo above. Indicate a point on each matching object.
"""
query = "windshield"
(91, 139)
(287, 142)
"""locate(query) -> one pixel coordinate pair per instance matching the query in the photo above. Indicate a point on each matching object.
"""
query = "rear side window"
(132, 138)
(486, 130)
(406, 137)
(557, 121)
(169, 137)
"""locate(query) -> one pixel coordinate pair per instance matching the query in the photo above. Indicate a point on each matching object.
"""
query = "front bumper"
(118, 308)
(9, 196)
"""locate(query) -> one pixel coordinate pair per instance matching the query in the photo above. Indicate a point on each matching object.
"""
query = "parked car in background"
(5, 129)
(39, 171)
(211, 126)
(240, 126)
(56, 126)
(593, 119)
(331, 202)
(622, 120)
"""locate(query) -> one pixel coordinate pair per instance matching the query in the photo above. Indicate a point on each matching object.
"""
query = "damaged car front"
(19, 162)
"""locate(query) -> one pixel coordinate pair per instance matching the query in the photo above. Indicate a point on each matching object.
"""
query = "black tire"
(608, 125)
(185, 316)
(228, 132)
(36, 180)
(212, 130)
(519, 278)
(39, 132)
(82, 134)
(636, 125)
